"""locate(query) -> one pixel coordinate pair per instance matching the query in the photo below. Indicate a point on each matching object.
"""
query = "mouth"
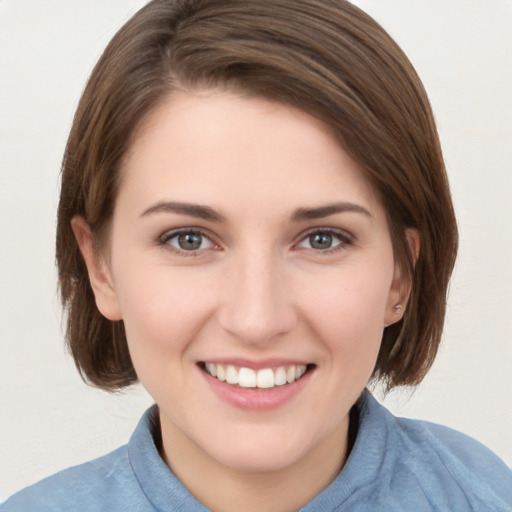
(263, 378)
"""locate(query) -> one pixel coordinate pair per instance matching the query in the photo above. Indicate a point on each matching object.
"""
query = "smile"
(265, 378)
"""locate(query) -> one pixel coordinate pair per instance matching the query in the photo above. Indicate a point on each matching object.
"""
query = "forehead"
(216, 147)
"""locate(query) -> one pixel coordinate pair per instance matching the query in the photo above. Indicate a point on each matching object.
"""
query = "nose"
(257, 306)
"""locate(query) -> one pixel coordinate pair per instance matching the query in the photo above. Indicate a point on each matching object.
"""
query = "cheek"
(348, 311)
(162, 319)
(162, 310)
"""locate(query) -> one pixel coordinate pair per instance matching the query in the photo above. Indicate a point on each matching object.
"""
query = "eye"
(187, 240)
(325, 240)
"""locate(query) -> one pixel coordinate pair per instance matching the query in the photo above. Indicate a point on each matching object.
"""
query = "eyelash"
(169, 235)
(343, 237)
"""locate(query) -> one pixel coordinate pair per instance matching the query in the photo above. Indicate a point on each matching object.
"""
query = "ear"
(98, 270)
(401, 286)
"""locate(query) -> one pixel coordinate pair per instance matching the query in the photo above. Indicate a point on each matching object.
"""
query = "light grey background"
(50, 419)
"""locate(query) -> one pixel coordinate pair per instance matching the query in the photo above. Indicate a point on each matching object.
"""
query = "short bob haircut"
(325, 57)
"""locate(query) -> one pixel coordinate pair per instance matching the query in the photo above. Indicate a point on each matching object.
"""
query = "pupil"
(321, 241)
(189, 241)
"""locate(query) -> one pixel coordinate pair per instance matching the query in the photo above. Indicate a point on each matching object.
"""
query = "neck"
(224, 489)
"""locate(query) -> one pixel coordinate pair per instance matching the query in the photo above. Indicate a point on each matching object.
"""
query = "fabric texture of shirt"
(395, 465)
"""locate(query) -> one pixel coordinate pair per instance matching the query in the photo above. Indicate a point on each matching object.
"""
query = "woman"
(255, 222)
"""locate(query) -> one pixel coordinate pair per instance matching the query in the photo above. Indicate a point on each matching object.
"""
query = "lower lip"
(255, 399)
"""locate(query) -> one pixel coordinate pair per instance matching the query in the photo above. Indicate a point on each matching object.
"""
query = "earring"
(397, 307)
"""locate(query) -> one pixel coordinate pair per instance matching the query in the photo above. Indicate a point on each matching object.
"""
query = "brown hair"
(325, 57)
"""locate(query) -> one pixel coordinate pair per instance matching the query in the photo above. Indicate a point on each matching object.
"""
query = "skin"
(257, 289)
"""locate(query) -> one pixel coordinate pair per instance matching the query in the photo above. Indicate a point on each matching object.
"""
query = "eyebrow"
(208, 213)
(330, 209)
(192, 210)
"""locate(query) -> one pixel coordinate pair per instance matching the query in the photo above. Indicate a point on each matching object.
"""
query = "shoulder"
(106, 483)
(447, 463)
(92, 485)
(131, 478)
(449, 445)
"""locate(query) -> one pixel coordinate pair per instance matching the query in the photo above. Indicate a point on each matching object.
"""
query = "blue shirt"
(395, 465)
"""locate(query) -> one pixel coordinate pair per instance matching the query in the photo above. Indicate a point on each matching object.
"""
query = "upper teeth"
(249, 378)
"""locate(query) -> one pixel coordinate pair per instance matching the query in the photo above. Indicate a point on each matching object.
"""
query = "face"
(252, 265)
